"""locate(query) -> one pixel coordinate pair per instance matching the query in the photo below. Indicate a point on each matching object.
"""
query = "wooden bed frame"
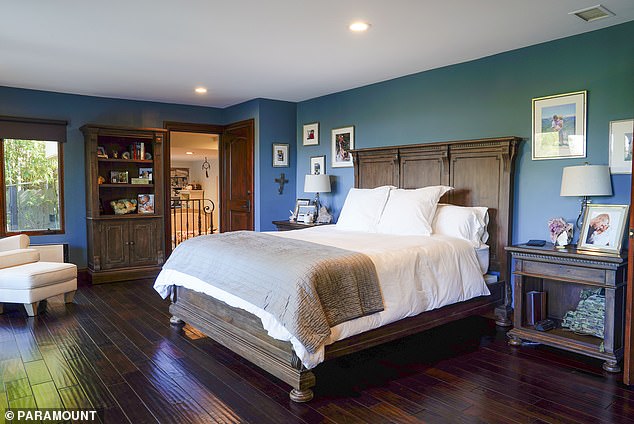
(481, 171)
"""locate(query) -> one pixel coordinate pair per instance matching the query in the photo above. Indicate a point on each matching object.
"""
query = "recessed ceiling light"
(593, 13)
(359, 26)
(189, 153)
(200, 90)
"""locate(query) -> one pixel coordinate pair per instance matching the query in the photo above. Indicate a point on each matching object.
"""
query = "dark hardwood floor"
(114, 350)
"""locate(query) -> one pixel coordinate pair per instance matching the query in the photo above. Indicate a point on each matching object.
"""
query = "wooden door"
(144, 242)
(236, 174)
(113, 244)
(628, 355)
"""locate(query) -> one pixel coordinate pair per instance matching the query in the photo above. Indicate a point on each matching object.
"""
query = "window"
(32, 177)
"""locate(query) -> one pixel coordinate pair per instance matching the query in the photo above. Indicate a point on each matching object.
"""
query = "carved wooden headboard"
(481, 172)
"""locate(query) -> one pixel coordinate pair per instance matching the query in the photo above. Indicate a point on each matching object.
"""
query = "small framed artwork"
(280, 155)
(145, 204)
(307, 214)
(119, 177)
(559, 126)
(145, 173)
(311, 134)
(342, 143)
(317, 165)
(603, 228)
(298, 204)
(101, 152)
(621, 137)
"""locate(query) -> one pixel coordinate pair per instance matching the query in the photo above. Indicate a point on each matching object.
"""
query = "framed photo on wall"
(342, 143)
(603, 228)
(621, 137)
(280, 155)
(311, 134)
(559, 126)
(318, 165)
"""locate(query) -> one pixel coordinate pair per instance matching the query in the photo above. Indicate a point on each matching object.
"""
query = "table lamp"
(584, 181)
(317, 183)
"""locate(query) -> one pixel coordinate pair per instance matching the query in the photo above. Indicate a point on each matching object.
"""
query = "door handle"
(247, 205)
(631, 233)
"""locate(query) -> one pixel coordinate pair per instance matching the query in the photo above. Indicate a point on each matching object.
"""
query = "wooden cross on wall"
(281, 181)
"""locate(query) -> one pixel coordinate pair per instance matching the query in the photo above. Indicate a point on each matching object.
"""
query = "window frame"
(3, 200)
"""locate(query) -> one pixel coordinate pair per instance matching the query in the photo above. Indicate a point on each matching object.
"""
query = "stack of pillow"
(390, 210)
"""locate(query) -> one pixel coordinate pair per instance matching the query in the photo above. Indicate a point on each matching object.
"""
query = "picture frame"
(304, 211)
(119, 177)
(280, 155)
(299, 203)
(603, 228)
(145, 173)
(342, 143)
(101, 152)
(145, 203)
(318, 165)
(559, 126)
(310, 134)
(621, 146)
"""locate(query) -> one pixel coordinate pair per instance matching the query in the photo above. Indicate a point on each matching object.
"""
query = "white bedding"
(416, 274)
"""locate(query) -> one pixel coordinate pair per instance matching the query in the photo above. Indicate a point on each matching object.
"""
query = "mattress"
(416, 274)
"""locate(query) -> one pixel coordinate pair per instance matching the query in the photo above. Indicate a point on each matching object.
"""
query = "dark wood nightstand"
(287, 225)
(562, 274)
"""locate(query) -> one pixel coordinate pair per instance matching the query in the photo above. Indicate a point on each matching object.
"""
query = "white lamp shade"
(319, 183)
(586, 180)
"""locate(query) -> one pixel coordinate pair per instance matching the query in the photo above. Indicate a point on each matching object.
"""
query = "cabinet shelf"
(127, 216)
(101, 186)
(142, 161)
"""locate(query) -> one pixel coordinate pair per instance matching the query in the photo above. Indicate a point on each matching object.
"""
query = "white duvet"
(416, 274)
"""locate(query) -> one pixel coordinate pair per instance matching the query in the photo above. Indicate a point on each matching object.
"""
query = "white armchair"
(27, 280)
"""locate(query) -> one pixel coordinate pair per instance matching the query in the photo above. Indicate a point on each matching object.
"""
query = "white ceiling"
(200, 145)
(291, 50)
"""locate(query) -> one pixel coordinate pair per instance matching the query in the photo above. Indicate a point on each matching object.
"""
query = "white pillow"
(362, 209)
(468, 223)
(410, 212)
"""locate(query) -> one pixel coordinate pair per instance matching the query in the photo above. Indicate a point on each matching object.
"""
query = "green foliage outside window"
(31, 180)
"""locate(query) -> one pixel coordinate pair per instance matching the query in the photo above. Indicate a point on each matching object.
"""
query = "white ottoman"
(31, 283)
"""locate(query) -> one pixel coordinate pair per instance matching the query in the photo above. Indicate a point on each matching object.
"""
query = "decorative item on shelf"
(145, 173)
(140, 181)
(125, 155)
(316, 183)
(101, 152)
(206, 167)
(281, 181)
(306, 214)
(123, 206)
(561, 232)
(100, 180)
(146, 203)
(589, 316)
(298, 204)
(148, 156)
(324, 217)
(603, 228)
(115, 154)
(584, 181)
(119, 177)
(559, 126)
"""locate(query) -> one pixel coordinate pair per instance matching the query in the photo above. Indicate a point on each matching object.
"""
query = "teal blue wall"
(80, 110)
(490, 97)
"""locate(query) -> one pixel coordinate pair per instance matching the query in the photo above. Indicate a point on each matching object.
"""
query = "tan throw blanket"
(308, 287)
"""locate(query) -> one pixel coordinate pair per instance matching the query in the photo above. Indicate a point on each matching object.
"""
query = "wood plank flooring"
(113, 350)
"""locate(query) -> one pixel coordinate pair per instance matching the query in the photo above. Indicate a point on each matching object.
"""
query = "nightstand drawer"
(567, 272)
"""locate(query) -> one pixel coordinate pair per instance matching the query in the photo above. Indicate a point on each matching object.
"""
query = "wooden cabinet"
(562, 275)
(124, 172)
(287, 225)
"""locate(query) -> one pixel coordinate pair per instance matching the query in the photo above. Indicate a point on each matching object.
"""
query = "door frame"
(167, 163)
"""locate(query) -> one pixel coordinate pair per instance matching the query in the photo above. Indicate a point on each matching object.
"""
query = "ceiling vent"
(593, 13)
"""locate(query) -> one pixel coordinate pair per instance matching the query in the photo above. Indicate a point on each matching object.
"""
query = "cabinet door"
(144, 242)
(113, 237)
